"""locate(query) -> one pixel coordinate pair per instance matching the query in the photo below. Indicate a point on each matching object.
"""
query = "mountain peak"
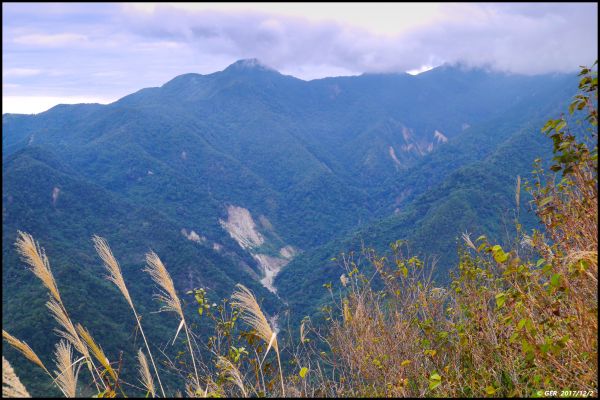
(249, 64)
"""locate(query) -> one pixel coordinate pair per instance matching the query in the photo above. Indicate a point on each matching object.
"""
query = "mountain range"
(248, 175)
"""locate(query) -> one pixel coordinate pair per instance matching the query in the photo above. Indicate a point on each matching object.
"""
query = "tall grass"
(233, 373)
(24, 349)
(115, 276)
(35, 257)
(168, 296)
(66, 376)
(244, 300)
(11, 384)
(145, 375)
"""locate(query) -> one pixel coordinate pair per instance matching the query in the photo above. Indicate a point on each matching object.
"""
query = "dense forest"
(359, 313)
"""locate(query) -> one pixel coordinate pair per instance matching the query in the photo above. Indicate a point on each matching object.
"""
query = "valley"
(250, 176)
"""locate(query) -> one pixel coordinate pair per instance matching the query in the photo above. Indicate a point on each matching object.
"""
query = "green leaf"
(500, 299)
(500, 256)
(303, 372)
(434, 381)
(572, 107)
(490, 390)
(513, 338)
(430, 352)
(540, 262)
(550, 125)
(555, 280)
(560, 125)
(545, 201)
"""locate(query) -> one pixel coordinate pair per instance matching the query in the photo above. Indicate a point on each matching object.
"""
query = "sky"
(99, 52)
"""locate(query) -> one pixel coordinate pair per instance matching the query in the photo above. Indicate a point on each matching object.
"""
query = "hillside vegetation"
(515, 319)
(320, 167)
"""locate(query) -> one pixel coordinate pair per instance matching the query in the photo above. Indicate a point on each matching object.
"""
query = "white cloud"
(522, 38)
(20, 72)
(417, 71)
(379, 18)
(50, 40)
(37, 104)
(63, 51)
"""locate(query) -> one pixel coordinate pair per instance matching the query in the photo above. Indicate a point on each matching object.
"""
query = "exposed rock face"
(241, 227)
(393, 155)
(193, 236)
(406, 134)
(271, 267)
(441, 138)
(55, 193)
(288, 252)
(407, 148)
(265, 223)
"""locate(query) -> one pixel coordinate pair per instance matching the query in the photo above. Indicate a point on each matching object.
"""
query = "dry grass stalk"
(344, 280)
(243, 299)
(168, 296)
(161, 277)
(114, 270)
(36, 257)
(590, 257)
(24, 349)
(145, 375)
(193, 391)
(251, 313)
(66, 377)
(232, 372)
(302, 331)
(467, 239)
(96, 350)
(11, 385)
(116, 277)
(69, 332)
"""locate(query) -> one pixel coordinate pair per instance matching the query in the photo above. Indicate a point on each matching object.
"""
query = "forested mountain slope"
(232, 175)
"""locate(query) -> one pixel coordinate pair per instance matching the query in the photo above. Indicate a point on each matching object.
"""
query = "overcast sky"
(98, 52)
